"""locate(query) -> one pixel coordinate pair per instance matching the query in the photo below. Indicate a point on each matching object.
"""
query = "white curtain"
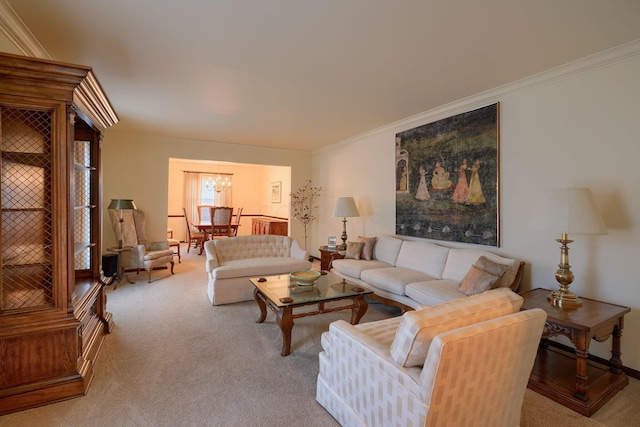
(195, 193)
(192, 194)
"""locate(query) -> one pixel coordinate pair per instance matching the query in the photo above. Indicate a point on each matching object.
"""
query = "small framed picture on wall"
(276, 192)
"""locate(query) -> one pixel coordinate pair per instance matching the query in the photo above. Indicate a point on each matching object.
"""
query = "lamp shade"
(120, 204)
(569, 210)
(345, 207)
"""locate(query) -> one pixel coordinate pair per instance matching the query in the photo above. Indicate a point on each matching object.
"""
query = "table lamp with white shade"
(567, 211)
(345, 208)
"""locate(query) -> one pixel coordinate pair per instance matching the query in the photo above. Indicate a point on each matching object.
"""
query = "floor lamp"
(345, 207)
(120, 205)
(567, 211)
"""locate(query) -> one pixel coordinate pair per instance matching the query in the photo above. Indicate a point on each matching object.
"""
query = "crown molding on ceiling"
(606, 58)
(19, 34)
(91, 101)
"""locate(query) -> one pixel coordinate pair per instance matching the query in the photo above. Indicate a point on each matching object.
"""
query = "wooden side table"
(121, 276)
(327, 255)
(570, 378)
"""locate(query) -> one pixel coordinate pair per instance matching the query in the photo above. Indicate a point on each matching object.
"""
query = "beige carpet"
(175, 360)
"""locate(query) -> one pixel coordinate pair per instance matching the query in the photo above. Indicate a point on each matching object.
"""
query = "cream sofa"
(230, 262)
(412, 274)
(462, 363)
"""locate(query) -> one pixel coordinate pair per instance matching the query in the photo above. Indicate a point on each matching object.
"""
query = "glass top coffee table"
(282, 294)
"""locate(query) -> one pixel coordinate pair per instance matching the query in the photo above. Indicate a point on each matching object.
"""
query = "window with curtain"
(208, 194)
(198, 191)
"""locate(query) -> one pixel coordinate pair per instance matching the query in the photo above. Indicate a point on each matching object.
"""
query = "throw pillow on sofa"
(418, 328)
(367, 249)
(354, 249)
(477, 281)
(491, 267)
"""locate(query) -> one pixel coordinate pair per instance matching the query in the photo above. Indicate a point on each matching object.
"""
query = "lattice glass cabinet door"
(25, 231)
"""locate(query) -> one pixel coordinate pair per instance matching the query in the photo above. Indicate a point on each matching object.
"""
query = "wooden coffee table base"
(285, 315)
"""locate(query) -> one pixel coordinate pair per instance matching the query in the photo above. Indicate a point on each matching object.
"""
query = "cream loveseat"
(412, 274)
(232, 261)
(462, 363)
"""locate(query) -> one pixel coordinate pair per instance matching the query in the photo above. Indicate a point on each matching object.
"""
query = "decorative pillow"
(367, 249)
(491, 267)
(419, 327)
(354, 249)
(477, 281)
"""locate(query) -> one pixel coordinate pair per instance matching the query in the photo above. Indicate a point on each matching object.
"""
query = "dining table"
(205, 227)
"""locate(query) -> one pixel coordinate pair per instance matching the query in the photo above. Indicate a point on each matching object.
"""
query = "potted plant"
(303, 204)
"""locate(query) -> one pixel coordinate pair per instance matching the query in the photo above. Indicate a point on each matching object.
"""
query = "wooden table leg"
(582, 353)
(359, 310)
(284, 319)
(616, 361)
(261, 304)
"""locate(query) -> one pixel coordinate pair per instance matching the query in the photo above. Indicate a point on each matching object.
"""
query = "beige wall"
(137, 167)
(573, 126)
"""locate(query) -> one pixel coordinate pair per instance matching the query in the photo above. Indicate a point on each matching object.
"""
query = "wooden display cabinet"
(53, 315)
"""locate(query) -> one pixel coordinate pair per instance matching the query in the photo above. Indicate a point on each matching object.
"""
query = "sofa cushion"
(354, 249)
(393, 279)
(434, 292)
(386, 249)
(354, 268)
(424, 257)
(253, 267)
(477, 281)
(460, 260)
(418, 328)
(367, 249)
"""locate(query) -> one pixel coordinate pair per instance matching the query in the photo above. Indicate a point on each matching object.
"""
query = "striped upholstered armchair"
(462, 363)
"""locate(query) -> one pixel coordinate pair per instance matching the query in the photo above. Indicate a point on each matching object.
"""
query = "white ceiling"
(302, 74)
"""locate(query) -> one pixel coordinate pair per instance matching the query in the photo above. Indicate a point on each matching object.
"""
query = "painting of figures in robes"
(447, 179)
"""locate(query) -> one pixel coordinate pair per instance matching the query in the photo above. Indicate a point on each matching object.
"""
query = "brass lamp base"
(564, 298)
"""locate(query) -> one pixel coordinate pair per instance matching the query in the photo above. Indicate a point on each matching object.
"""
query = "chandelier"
(218, 183)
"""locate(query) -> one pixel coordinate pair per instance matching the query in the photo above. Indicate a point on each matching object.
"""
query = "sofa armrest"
(211, 262)
(517, 281)
(297, 252)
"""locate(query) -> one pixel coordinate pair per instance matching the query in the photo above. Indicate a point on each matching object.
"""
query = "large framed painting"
(447, 178)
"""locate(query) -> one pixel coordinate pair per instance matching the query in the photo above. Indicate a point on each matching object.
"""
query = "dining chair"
(195, 237)
(220, 221)
(234, 230)
(204, 213)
